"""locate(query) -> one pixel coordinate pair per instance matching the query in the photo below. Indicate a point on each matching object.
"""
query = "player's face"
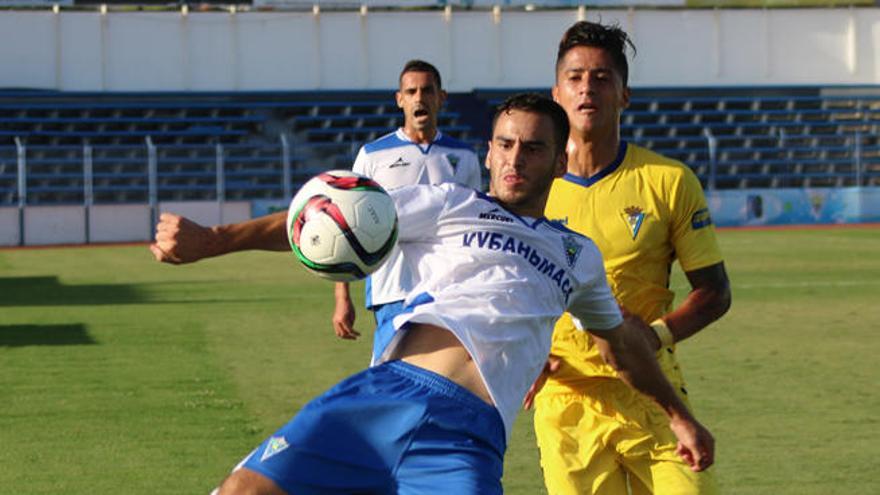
(523, 161)
(420, 99)
(591, 90)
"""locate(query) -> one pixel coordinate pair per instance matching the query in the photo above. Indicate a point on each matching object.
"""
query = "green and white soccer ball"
(341, 225)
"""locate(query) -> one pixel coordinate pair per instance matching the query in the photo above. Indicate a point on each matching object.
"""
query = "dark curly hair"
(541, 105)
(612, 39)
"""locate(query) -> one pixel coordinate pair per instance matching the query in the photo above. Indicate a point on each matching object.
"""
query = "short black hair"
(541, 105)
(612, 39)
(417, 65)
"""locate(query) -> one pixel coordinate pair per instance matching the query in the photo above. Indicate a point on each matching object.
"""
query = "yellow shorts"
(607, 439)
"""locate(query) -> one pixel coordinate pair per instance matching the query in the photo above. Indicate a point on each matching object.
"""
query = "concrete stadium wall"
(10, 234)
(209, 212)
(119, 223)
(46, 225)
(168, 51)
(54, 225)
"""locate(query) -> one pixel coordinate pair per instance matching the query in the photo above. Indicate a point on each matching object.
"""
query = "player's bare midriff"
(437, 349)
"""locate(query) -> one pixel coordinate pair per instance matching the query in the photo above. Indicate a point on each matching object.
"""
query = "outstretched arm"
(626, 349)
(180, 240)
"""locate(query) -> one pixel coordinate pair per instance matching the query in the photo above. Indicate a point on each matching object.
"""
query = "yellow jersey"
(643, 211)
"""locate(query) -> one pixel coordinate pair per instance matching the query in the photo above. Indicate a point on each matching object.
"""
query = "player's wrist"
(663, 333)
(216, 241)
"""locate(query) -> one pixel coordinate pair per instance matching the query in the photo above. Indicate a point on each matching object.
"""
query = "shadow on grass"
(28, 335)
(49, 291)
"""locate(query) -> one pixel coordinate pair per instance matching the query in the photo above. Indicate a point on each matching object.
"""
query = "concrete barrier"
(9, 228)
(67, 224)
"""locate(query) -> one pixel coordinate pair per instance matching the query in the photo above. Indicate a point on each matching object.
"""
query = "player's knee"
(246, 482)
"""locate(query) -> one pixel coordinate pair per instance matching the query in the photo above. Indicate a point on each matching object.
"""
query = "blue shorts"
(384, 314)
(391, 429)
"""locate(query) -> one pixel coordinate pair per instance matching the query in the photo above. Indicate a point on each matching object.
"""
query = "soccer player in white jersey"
(417, 153)
(493, 276)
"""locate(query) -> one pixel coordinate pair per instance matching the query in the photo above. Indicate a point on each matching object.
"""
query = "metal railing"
(150, 173)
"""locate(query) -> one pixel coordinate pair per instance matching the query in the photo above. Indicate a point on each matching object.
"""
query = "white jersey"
(497, 281)
(394, 160)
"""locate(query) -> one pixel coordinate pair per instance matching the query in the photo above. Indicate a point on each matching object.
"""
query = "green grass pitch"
(121, 375)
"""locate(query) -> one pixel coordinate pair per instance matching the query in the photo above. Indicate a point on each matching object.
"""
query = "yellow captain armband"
(663, 333)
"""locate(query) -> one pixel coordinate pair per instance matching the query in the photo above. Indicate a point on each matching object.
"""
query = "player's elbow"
(721, 301)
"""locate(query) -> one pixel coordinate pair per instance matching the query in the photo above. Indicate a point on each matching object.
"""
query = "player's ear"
(443, 95)
(627, 93)
(398, 96)
(561, 164)
(555, 92)
(488, 156)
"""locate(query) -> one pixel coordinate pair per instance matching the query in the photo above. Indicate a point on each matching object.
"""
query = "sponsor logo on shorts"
(701, 218)
(275, 446)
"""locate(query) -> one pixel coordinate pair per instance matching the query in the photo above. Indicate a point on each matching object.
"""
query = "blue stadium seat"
(766, 137)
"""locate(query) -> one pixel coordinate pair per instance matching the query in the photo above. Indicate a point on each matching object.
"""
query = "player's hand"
(343, 320)
(180, 240)
(644, 329)
(550, 367)
(695, 443)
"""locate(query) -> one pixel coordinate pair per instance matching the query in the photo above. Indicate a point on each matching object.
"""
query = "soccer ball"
(341, 225)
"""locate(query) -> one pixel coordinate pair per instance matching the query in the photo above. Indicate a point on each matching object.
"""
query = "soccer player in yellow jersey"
(644, 211)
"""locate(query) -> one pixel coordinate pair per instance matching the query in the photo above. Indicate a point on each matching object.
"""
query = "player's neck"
(420, 136)
(532, 208)
(590, 154)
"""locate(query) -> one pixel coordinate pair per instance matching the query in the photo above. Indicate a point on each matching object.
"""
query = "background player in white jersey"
(417, 153)
(493, 276)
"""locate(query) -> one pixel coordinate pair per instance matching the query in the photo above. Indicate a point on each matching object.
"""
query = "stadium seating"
(763, 137)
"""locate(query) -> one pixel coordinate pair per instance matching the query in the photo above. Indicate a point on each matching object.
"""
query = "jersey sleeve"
(592, 306)
(362, 163)
(693, 235)
(418, 209)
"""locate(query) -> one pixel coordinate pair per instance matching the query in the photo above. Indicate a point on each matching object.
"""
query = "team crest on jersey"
(572, 249)
(453, 160)
(275, 446)
(633, 216)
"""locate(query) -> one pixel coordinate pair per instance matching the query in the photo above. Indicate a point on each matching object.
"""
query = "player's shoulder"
(639, 155)
(658, 166)
(388, 141)
(580, 251)
(452, 190)
(451, 143)
(561, 229)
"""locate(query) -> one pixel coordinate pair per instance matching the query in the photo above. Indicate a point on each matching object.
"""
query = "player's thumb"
(686, 454)
(157, 253)
(161, 255)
